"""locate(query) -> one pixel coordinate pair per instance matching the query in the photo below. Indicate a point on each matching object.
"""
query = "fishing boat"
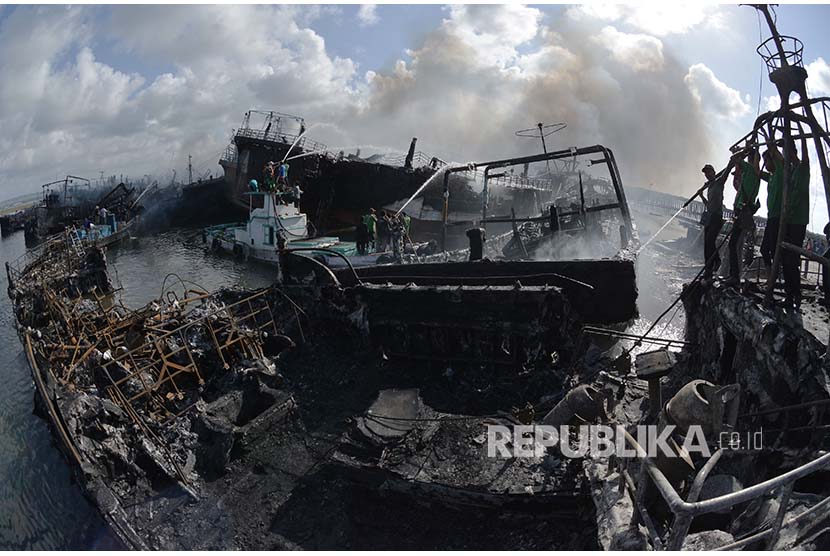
(279, 226)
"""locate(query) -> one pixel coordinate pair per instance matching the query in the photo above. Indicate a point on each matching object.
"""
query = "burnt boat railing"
(231, 154)
(276, 135)
(607, 159)
(419, 159)
(684, 511)
(34, 257)
(522, 182)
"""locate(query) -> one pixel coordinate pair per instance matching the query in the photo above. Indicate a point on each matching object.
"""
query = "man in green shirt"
(747, 182)
(370, 220)
(774, 175)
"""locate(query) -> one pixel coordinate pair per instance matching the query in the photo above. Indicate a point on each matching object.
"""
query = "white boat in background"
(279, 225)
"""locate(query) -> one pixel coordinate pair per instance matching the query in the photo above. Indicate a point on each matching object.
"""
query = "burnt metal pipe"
(680, 527)
(330, 251)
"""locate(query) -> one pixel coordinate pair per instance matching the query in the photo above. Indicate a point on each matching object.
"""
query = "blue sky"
(135, 89)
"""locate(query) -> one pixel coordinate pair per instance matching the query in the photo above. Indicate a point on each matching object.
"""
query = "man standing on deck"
(361, 236)
(774, 164)
(747, 182)
(371, 221)
(268, 177)
(795, 223)
(713, 217)
(383, 233)
(282, 178)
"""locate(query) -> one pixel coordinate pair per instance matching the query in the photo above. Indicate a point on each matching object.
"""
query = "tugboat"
(280, 226)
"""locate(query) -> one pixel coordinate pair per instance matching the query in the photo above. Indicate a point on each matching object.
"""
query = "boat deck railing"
(419, 160)
(684, 511)
(304, 143)
(24, 263)
(231, 154)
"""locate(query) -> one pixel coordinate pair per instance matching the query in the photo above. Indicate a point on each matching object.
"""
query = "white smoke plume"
(67, 105)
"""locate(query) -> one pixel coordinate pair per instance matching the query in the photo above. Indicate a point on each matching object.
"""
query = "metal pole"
(785, 109)
(544, 147)
(446, 211)
(485, 198)
(776, 261)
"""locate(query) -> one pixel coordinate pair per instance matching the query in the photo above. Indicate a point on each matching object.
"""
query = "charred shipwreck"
(338, 188)
(201, 419)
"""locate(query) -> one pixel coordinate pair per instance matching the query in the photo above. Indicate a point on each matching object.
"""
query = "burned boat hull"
(600, 291)
(171, 410)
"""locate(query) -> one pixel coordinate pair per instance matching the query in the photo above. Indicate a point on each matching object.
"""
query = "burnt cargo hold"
(241, 397)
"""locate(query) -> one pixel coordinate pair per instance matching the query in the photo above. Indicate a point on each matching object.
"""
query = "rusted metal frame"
(243, 319)
(138, 373)
(83, 357)
(190, 356)
(140, 422)
(168, 333)
(137, 370)
(74, 355)
(163, 374)
(216, 344)
(161, 381)
(164, 370)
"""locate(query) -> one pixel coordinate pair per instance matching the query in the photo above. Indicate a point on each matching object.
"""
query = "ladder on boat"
(75, 242)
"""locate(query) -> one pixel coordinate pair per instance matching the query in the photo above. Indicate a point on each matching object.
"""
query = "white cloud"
(493, 32)
(482, 73)
(661, 19)
(715, 96)
(367, 15)
(64, 111)
(818, 77)
(639, 52)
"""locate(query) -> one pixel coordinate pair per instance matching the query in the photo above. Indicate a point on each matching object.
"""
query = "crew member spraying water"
(712, 219)
(282, 175)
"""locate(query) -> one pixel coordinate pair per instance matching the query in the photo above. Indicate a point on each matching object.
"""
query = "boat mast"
(786, 71)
